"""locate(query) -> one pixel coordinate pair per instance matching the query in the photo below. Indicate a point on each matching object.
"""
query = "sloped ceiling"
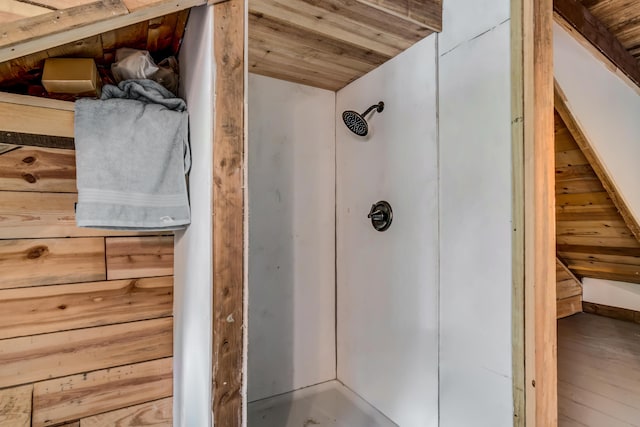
(593, 239)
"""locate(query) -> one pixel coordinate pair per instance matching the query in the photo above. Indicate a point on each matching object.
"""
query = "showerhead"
(356, 122)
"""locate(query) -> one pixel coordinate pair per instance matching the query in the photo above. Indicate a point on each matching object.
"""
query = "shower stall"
(343, 287)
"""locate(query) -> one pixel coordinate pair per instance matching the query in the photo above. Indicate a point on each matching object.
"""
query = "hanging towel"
(132, 155)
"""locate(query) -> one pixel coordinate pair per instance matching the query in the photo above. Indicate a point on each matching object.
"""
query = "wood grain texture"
(330, 43)
(41, 357)
(611, 312)
(587, 149)
(534, 310)
(82, 395)
(158, 414)
(568, 291)
(45, 215)
(579, 17)
(598, 380)
(80, 22)
(54, 308)
(133, 257)
(38, 169)
(33, 262)
(228, 213)
(29, 119)
(15, 406)
(594, 227)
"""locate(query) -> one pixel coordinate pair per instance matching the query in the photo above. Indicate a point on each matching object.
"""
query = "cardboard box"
(76, 76)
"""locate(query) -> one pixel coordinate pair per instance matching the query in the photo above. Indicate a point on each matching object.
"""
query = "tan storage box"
(76, 76)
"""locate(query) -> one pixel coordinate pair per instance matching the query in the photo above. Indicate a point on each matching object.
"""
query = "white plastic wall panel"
(388, 281)
(192, 269)
(607, 109)
(475, 231)
(463, 20)
(610, 292)
(291, 236)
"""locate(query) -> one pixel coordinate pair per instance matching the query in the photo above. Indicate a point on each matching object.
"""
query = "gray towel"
(132, 154)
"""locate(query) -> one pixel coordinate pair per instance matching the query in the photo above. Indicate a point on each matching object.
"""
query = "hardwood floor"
(598, 372)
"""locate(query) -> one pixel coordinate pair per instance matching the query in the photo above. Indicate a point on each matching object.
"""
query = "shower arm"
(379, 106)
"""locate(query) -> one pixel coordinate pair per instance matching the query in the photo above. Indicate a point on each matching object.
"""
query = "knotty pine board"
(15, 406)
(28, 215)
(40, 357)
(132, 257)
(32, 262)
(83, 395)
(38, 169)
(158, 414)
(54, 308)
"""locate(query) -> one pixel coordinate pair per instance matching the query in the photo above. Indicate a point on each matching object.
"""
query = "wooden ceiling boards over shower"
(330, 43)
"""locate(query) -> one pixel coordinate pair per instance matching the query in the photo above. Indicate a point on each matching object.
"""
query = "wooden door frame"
(534, 294)
(229, 214)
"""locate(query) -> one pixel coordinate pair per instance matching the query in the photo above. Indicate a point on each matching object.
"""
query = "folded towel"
(132, 154)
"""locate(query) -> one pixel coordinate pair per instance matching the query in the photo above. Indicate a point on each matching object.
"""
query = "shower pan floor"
(329, 404)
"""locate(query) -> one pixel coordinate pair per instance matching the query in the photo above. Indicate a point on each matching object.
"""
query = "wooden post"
(228, 213)
(534, 314)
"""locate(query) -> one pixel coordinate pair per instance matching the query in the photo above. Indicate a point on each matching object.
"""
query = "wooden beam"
(229, 213)
(534, 311)
(78, 23)
(573, 15)
(586, 147)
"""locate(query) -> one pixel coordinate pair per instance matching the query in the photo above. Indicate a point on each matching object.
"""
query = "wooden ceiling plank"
(425, 12)
(265, 38)
(323, 22)
(275, 28)
(574, 15)
(585, 145)
(597, 257)
(133, 36)
(62, 4)
(79, 25)
(296, 73)
(323, 64)
(161, 31)
(373, 17)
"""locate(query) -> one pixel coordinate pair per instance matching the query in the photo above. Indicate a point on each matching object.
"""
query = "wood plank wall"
(85, 315)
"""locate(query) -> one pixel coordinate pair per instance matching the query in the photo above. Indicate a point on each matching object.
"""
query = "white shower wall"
(291, 236)
(388, 282)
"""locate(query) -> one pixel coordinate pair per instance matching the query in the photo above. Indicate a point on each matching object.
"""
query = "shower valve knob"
(381, 215)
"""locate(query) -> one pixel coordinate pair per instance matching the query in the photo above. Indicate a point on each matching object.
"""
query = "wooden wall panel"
(15, 406)
(40, 357)
(129, 257)
(45, 215)
(157, 414)
(82, 395)
(38, 169)
(32, 262)
(54, 308)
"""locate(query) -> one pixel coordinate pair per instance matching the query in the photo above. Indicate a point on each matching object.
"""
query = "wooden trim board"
(612, 312)
(534, 294)
(230, 41)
